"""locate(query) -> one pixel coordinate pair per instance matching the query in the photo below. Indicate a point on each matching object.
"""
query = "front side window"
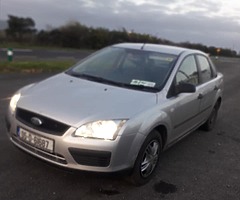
(205, 68)
(133, 68)
(188, 72)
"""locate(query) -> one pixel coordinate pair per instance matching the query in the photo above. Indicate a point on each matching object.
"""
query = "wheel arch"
(218, 102)
(162, 130)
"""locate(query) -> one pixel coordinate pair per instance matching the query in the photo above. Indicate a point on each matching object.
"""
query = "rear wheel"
(147, 160)
(210, 123)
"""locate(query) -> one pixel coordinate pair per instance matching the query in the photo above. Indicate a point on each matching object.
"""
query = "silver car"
(117, 109)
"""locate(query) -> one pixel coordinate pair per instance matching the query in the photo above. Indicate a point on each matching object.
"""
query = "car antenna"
(143, 46)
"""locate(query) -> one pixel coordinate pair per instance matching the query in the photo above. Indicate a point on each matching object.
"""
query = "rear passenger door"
(208, 87)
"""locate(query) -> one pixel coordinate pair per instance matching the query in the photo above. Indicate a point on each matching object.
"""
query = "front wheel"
(147, 159)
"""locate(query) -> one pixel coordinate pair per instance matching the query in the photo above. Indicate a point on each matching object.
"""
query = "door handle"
(216, 88)
(200, 96)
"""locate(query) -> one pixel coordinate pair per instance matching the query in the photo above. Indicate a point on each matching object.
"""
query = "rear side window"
(205, 68)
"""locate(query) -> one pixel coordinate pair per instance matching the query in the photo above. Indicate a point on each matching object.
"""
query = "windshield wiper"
(94, 78)
(107, 81)
(141, 87)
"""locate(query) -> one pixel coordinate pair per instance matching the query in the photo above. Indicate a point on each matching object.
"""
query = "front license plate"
(36, 140)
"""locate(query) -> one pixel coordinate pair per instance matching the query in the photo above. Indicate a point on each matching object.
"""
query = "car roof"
(157, 48)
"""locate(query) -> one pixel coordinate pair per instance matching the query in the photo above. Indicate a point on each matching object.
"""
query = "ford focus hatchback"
(117, 109)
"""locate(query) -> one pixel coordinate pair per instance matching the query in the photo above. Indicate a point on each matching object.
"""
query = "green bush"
(35, 66)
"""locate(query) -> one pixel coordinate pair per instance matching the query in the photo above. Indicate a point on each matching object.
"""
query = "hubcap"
(150, 158)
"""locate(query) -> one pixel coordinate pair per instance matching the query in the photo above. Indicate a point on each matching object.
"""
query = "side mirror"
(185, 88)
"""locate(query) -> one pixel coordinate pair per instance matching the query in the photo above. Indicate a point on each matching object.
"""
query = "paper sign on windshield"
(144, 83)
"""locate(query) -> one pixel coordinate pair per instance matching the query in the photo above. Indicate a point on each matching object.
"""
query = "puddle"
(211, 152)
(165, 188)
(110, 192)
(220, 133)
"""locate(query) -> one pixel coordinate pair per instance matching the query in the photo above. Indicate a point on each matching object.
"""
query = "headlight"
(13, 102)
(107, 130)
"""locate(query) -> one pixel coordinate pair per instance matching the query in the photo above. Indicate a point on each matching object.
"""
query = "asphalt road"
(203, 166)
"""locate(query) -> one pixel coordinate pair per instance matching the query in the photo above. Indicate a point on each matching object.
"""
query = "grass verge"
(25, 45)
(35, 66)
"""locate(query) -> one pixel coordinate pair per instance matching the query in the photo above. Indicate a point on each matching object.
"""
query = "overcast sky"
(210, 22)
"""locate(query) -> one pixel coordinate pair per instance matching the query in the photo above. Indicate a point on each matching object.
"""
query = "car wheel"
(147, 159)
(210, 123)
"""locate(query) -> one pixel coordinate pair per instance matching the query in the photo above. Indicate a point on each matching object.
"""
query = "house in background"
(3, 25)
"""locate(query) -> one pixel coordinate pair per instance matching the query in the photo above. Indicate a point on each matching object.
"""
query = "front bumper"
(81, 153)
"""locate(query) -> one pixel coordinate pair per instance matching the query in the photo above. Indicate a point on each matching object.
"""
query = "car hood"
(75, 101)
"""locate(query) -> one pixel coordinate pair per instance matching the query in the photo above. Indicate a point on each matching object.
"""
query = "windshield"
(137, 69)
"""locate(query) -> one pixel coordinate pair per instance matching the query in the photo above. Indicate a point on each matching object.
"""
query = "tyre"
(147, 159)
(210, 123)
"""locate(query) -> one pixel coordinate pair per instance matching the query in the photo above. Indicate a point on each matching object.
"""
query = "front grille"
(48, 125)
(90, 157)
(50, 156)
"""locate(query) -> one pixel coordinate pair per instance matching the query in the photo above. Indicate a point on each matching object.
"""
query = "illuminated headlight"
(13, 102)
(107, 130)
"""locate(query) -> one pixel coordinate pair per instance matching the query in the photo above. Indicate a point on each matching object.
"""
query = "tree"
(74, 34)
(19, 27)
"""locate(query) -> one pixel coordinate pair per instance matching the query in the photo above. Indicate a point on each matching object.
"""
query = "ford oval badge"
(36, 121)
